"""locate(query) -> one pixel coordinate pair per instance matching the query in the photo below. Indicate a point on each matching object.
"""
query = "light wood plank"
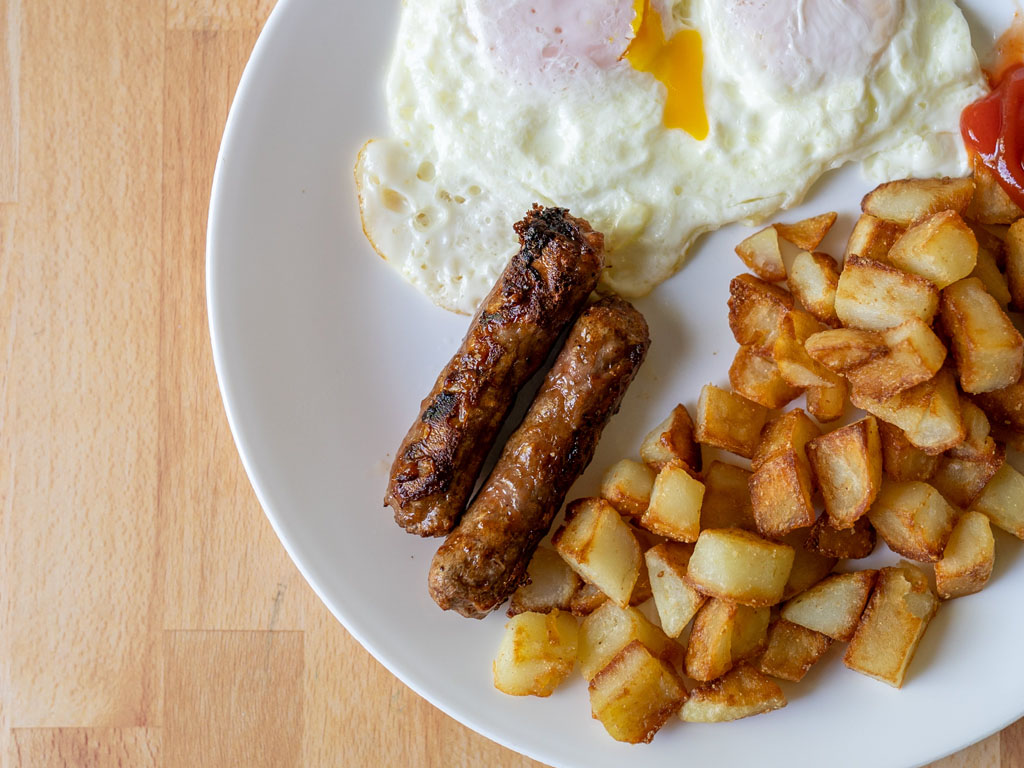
(8, 314)
(228, 569)
(233, 699)
(1011, 746)
(984, 753)
(86, 748)
(10, 65)
(218, 14)
(80, 408)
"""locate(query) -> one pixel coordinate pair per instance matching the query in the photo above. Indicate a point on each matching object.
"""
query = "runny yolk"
(677, 63)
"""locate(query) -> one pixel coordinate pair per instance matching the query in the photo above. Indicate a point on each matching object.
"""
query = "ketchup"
(993, 130)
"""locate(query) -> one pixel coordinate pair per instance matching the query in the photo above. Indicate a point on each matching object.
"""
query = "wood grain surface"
(148, 614)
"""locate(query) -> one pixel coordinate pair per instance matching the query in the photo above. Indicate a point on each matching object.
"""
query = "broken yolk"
(677, 63)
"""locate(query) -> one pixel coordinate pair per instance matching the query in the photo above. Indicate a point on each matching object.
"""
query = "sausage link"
(484, 559)
(541, 290)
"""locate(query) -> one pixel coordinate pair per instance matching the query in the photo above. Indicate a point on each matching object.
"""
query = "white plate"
(323, 355)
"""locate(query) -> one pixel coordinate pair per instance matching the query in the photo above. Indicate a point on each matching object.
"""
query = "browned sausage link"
(543, 287)
(485, 557)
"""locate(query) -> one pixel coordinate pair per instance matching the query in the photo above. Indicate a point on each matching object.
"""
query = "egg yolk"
(677, 63)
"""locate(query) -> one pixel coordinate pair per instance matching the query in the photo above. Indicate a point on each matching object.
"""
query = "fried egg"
(655, 120)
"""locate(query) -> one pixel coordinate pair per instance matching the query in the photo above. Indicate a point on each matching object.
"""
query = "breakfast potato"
(743, 692)
(962, 479)
(550, 584)
(848, 465)
(914, 354)
(537, 652)
(674, 510)
(851, 543)
(940, 247)
(832, 606)
(787, 432)
(756, 309)
(762, 255)
(675, 598)
(740, 566)
(1003, 500)
(1004, 407)
(828, 404)
(749, 632)
(797, 367)
(913, 519)
(808, 233)
(813, 280)
(906, 201)
(781, 494)
(872, 238)
(672, 441)
(897, 615)
(988, 349)
(843, 350)
(759, 379)
(727, 498)
(635, 694)
(709, 651)
(809, 565)
(978, 442)
(990, 204)
(1015, 263)
(729, 421)
(792, 650)
(586, 599)
(968, 559)
(610, 628)
(874, 296)
(600, 547)
(627, 486)
(987, 270)
(901, 460)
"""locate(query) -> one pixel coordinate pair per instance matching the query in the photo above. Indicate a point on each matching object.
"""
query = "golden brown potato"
(1004, 407)
(635, 694)
(586, 599)
(940, 247)
(832, 606)
(970, 555)
(709, 651)
(627, 486)
(913, 519)
(893, 623)
(813, 279)
(740, 566)
(987, 270)
(808, 233)
(988, 349)
(743, 692)
(846, 349)
(781, 492)
(792, 650)
(809, 566)
(962, 479)
(536, 654)
(828, 404)
(762, 255)
(797, 367)
(727, 498)
(990, 204)
(908, 200)
(914, 354)
(1003, 500)
(756, 309)
(874, 296)
(759, 379)
(610, 628)
(1015, 263)
(675, 598)
(787, 432)
(672, 441)
(550, 585)
(728, 421)
(850, 543)
(901, 460)
(600, 547)
(848, 465)
(749, 632)
(674, 510)
(872, 238)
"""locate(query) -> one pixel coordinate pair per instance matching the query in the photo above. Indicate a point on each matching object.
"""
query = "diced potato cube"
(761, 253)
(848, 465)
(987, 270)
(635, 694)
(676, 599)
(908, 200)
(832, 606)
(749, 632)
(875, 296)
(808, 233)
(674, 511)
(550, 584)
(914, 355)
(850, 543)
(978, 443)
(729, 421)
(961, 480)
(809, 566)
(901, 460)
(610, 628)
(743, 692)
(990, 204)
(913, 519)
(813, 279)
(970, 555)
(940, 247)
(872, 238)
(828, 404)
(893, 623)
(709, 652)
(1003, 500)
(781, 494)
(1005, 407)
(536, 654)
(756, 309)
(727, 498)
(600, 547)
(788, 432)
(759, 379)
(672, 440)
(1015, 263)
(797, 367)
(627, 486)
(586, 599)
(989, 350)
(846, 349)
(740, 566)
(792, 650)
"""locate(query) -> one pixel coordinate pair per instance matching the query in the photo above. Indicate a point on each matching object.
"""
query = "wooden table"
(149, 615)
